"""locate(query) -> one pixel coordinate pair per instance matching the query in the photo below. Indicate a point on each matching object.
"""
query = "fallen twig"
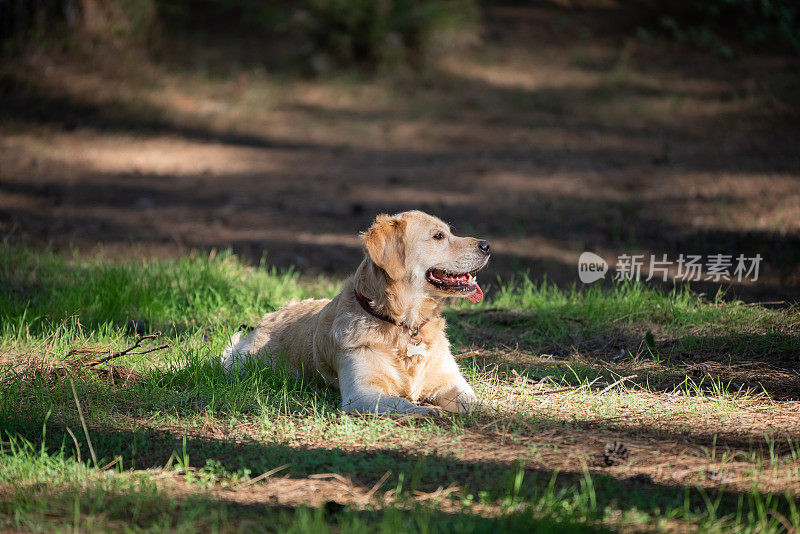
(129, 349)
(347, 483)
(86, 350)
(377, 485)
(468, 354)
(439, 493)
(111, 464)
(262, 476)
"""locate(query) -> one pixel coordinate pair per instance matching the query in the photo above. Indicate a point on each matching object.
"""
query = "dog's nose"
(484, 246)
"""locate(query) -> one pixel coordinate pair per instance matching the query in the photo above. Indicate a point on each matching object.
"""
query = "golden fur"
(338, 343)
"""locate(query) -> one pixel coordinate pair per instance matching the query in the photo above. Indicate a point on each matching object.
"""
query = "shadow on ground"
(542, 203)
(522, 341)
(146, 448)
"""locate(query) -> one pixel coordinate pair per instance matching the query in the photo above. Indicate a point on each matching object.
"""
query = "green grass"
(546, 313)
(42, 289)
(51, 490)
(81, 497)
(183, 411)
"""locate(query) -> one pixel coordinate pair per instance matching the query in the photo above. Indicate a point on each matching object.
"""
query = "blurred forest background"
(159, 127)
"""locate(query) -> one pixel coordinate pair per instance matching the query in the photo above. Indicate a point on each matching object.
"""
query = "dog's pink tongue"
(477, 295)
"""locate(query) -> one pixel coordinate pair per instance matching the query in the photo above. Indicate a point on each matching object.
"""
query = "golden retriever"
(381, 340)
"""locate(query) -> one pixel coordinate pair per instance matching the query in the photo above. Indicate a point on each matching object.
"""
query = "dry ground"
(554, 136)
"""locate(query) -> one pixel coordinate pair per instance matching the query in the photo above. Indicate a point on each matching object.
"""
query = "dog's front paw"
(425, 411)
(466, 401)
(460, 400)
(407, 408)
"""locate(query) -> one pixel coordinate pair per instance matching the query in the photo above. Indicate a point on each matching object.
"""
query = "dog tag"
(416, 349)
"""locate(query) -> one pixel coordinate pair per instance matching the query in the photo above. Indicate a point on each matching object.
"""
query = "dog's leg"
(358, 396)
(447, 388)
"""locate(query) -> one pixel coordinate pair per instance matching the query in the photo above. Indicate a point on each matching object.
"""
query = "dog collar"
(364, 302)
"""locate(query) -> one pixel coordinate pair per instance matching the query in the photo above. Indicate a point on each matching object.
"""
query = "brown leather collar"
(364, 301)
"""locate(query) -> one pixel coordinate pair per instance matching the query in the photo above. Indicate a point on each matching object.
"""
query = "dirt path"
(542, 143)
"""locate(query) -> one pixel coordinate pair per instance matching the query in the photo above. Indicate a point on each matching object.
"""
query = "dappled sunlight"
(617, 94)
(524, 71)
(172, 171)
(166, 156)
(546, 151)
(551, 405)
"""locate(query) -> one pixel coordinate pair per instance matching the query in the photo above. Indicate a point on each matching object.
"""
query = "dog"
(381, 341)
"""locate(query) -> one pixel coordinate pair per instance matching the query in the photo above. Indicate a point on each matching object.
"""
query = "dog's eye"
(438, 236)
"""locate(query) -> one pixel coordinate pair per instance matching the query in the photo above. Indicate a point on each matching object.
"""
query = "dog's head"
(420, 250)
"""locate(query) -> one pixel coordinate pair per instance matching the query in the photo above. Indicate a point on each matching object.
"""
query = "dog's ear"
(386, 245)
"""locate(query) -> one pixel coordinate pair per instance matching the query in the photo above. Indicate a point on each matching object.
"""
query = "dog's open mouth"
(463, 284)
